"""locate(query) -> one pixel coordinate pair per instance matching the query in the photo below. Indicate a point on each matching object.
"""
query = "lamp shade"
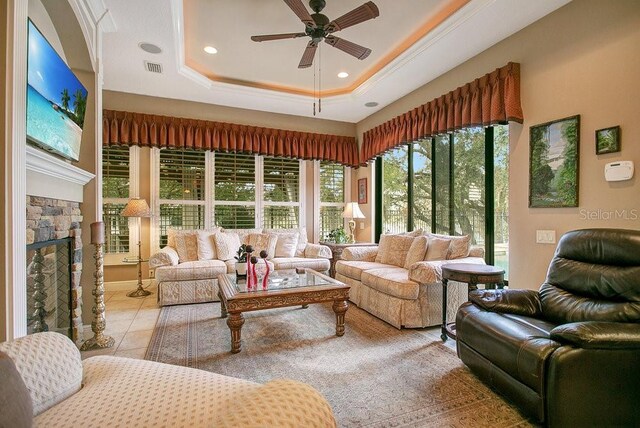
(136, 207)
(352, 210)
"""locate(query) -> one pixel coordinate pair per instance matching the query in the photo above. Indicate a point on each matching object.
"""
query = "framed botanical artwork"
(554, 150)
(362, 191)
(608, 140)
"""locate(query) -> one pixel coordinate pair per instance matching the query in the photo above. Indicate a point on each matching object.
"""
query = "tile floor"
(130, 321)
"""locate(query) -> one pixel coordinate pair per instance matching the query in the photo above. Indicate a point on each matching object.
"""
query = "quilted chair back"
(594, 276)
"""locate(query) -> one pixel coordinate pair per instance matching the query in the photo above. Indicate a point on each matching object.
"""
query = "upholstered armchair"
(569, 353)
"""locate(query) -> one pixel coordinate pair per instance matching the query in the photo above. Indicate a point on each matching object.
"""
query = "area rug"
(373, 376)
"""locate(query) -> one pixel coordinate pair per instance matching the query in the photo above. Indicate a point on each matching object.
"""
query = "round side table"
(473, 275)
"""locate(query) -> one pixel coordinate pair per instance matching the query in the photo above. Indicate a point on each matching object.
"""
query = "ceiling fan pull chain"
(320, 80)
(314, 90)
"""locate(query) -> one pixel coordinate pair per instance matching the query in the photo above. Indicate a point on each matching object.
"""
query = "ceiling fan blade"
(360, 14)
(267, 37)
(307, 56)
(351, 48)
(298, 8)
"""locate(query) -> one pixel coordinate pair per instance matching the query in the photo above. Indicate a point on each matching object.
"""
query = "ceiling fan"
(318, 27)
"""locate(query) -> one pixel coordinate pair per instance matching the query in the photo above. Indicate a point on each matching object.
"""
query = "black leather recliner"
(569, 354)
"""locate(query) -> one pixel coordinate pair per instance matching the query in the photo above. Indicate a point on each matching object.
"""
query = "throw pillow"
(417, 251)
(263, 241)
(438, 248)
(302, 238)
(393, 249)
(287, 244)
(186, 245)
(417, 232)
(15, 399)
(227, 244)
(460, 245)
(206, 244)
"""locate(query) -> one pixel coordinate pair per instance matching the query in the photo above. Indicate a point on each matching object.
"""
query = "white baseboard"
(129, 285)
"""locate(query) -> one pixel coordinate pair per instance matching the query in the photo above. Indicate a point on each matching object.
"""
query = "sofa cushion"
(393, 249)
(15, 400)
(172, 233)
(207, 244)
(133, 393)
(227, 244)
(186, 244)
(438, 249)
(519, 345)
(459, 246)
(392, 281)
(263, 241)
(287, 244)
(417, 251)
(290, 263)
(354, 268)
(302, 238)
(50, 366)
(199, 269)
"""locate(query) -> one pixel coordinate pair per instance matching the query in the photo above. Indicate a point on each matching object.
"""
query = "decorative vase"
(265, 279)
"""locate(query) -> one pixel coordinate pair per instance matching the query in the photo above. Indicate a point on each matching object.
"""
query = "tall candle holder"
(99, 323)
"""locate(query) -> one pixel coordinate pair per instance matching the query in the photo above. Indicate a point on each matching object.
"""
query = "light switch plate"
(362, 225)
(545, 236)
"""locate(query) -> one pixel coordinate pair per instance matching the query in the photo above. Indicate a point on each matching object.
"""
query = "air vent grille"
(153, 67)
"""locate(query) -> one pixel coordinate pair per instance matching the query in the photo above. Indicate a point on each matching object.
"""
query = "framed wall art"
(554, 150)
(608, 140)
(362, 191)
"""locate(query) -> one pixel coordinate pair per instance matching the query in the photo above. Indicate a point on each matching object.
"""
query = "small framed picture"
(362, 191)
(608, 140)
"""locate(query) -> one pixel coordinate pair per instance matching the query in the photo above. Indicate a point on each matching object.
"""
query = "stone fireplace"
(54, 266)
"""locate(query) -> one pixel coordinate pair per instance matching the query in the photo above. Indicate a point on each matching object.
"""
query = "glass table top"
(281, 281)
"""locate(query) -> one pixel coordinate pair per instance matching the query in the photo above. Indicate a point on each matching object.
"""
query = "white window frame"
(111, 259)
(212, 202)
(301, 195)
(317, 203)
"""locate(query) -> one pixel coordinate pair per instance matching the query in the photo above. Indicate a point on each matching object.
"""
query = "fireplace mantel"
(50, 177)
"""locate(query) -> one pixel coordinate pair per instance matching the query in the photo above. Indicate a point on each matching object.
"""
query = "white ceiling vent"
(153, 67)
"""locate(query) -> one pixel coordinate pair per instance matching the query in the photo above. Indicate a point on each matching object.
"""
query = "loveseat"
(567, 354)
(52, 387)
(400, 280)
(187, 269)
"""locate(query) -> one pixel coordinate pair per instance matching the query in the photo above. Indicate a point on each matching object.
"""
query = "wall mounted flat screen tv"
(56, 100)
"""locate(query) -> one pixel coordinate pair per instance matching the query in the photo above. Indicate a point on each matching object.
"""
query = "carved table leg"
(223, 305)
(443, 327)
(340, 308)
(235, 322)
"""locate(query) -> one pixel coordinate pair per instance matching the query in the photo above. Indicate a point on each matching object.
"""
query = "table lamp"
(352, 211)
(137, 207)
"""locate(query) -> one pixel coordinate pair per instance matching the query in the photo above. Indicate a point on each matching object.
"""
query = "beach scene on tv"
(56, 100)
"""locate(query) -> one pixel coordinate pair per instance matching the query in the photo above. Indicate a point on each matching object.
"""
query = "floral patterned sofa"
(45, 383)
(400, 281)
(187, 269)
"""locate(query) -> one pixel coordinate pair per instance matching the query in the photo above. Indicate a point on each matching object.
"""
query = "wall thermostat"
(618, 171)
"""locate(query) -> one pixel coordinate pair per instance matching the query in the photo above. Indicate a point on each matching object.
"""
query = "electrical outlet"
(362, 225)
(152, 273)
(545, 236)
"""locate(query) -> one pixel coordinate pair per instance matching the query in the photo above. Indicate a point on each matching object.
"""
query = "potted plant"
(241, 261)
(339, 235)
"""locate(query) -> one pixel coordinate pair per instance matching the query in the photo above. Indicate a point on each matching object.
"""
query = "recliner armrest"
(317, 251)
(517, 302)
(165, 257)
(598, 335)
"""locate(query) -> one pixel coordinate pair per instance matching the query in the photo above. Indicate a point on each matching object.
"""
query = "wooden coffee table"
(303, 288)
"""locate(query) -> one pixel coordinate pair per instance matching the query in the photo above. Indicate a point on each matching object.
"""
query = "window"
(199, 189)
(116, 190)
(395, 175)
(234, 187)
(332, 190)
(453, 184)
(181, 191)
(281, 193)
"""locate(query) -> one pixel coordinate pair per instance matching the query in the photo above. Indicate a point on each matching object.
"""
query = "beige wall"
(168, 107)
(582, 59)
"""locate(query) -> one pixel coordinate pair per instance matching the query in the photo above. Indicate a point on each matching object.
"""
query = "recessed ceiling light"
(343, 74)
(210, 50)
(371, 104)
(150, 47)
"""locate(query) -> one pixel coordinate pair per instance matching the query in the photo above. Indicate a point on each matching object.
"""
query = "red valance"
(126, 128)
(490, 99)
